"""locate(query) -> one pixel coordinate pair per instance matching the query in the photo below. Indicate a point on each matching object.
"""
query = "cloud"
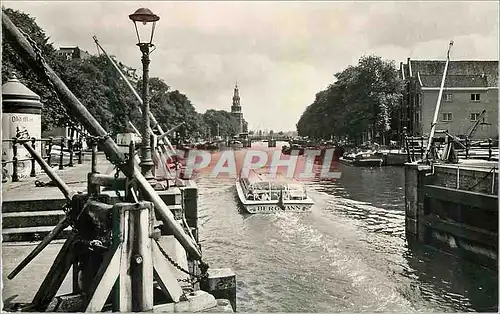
(281, 53)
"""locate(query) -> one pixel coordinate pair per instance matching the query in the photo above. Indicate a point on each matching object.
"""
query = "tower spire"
(236, 91)
(236, 108)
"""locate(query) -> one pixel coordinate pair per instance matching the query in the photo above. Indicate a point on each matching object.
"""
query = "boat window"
(277, 185)
(296, 187)
(261, 185)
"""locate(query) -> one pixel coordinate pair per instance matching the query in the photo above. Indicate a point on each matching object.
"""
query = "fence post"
(421, 147)
(490, 144)
(71, 146)
(61, 156)
(467, 147)
(405, 139)
(49, 153)
(33, 161)
(80, 151)
(4, 172)
(93, 167)
(15, 176)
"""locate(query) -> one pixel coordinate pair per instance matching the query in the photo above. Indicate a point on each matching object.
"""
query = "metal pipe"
(78, 110)
(52, 175)
(438, 103)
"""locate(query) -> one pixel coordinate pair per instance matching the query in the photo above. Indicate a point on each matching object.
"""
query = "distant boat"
(362, 159)
(265, 196)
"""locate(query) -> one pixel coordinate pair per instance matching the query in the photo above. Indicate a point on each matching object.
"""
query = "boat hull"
(268, 207)
(371, 162)
(274, 208)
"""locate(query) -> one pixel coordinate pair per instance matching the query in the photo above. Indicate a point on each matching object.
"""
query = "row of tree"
(97, 84)
(364, 99)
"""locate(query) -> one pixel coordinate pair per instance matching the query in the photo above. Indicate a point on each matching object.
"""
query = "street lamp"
(144, 23)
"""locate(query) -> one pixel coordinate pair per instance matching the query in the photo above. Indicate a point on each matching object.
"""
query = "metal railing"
(67, 145)
(465, 148)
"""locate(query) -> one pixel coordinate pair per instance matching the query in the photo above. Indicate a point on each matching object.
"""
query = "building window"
(475, 97)
(474, 116)
(448, 97)
(447, 116)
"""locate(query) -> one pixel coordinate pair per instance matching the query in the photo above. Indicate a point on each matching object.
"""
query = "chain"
(203, 267)
(117, 174)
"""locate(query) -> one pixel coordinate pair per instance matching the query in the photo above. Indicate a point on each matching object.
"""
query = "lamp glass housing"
(144, 23)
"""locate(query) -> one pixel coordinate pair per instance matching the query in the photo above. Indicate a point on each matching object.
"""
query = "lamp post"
(144, 23)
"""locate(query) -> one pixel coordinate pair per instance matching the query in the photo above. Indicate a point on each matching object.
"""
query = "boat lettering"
(293, 207)
(278, 208)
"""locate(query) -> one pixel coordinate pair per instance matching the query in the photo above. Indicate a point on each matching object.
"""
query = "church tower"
(236, 109)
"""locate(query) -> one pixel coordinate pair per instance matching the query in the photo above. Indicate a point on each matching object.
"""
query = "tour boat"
(270, 196)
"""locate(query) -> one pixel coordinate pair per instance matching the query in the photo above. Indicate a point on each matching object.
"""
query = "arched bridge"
(267, 137)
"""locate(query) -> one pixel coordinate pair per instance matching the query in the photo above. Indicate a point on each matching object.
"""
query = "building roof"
(460, 73)
(455, 81)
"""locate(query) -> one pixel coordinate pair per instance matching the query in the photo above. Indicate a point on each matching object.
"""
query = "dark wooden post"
(49, 153)
(80, 149)
(467, 147)
(33, 162)
(490, 144)
(93, 167)
(421, 147)
(131, 165)
(71, 146)
(61, 156)
(15, 176)
(412, 142)
(93, 189)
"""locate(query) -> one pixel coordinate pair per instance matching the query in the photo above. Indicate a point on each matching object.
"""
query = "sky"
(280, 53)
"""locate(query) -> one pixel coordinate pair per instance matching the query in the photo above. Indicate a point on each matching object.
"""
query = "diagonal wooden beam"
(167, 281)
(105, 280)
(55, 277)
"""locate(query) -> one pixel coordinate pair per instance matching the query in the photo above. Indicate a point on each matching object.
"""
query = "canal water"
(349, 254)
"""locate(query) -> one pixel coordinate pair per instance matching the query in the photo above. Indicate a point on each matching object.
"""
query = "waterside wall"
(454, 207)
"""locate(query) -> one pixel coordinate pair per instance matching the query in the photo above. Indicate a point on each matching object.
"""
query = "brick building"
(73, 52)
(470, 87)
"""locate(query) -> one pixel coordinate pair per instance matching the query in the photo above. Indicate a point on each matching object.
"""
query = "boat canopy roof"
(271, 185)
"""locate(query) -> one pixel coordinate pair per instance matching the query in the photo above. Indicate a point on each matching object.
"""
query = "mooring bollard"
(33, 162)
(61, 156)
(15, 176)
(221, 283)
